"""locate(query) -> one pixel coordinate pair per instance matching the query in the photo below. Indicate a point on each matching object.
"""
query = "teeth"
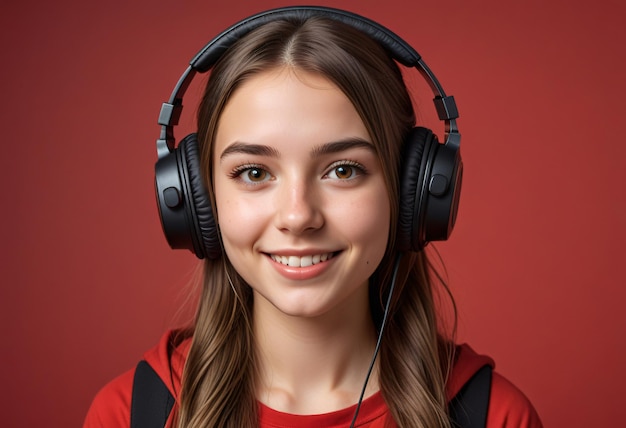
(304, 261)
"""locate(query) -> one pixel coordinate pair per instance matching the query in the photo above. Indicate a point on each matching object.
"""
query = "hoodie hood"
(466, 364)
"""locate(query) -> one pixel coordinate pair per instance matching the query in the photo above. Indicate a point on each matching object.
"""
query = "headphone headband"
(395, 46)
(398, 48)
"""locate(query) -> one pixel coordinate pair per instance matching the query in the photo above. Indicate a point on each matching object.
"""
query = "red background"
(536, 261)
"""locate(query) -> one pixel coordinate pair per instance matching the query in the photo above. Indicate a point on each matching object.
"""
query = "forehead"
(290, 106)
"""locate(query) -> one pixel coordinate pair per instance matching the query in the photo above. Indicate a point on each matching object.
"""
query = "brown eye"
(344, 172)
(255, 175)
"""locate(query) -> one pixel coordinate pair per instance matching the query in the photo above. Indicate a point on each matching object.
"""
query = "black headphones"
(430, 180)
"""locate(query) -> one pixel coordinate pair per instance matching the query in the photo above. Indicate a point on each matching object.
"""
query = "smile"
(304, 261)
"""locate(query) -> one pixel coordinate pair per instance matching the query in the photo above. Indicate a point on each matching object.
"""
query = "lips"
(303, 261)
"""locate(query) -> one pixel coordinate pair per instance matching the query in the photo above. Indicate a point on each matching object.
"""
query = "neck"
(310, 365)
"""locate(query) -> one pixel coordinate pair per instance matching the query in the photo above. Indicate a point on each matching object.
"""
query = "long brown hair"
(218, 387)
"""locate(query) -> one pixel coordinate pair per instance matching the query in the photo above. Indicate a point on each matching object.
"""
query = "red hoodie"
(508, 407)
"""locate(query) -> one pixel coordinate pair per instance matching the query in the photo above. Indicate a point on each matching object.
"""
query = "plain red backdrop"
(536, 261)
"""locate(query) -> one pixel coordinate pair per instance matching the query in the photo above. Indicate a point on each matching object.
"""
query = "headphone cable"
(380, 337)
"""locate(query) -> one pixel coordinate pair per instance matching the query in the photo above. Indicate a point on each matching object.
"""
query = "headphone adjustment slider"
(446, 107)
(170, 113)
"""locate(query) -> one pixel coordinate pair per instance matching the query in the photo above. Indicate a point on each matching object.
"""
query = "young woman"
(301, 144)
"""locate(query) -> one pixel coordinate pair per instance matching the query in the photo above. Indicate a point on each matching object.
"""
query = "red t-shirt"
(372, 414)
(508, 406)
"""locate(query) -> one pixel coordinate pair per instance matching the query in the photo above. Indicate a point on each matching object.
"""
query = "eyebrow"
(249, 149)
(342, 145)
(323, 149)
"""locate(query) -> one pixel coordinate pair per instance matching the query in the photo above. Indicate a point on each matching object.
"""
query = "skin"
(296, 179)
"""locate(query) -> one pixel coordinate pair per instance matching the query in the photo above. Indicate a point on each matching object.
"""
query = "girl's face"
(303, 207)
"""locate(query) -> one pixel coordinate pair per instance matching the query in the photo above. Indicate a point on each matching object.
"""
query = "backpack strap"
(151, 401)
(468, 408)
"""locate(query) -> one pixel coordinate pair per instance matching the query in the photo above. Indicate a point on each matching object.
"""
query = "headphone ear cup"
(415, 152)
(430, 186)
(183, 202)
(443, 189)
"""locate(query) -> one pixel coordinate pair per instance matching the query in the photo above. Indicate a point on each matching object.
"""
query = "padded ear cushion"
(416, 152)
(203, 221)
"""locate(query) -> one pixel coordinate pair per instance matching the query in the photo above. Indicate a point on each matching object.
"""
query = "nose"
(298, 208)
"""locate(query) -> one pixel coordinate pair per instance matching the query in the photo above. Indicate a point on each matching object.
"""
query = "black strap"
(152, 402)
(468, 409)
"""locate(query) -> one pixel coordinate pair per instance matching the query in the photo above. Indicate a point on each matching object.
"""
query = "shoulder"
(111, 405)
(509, 407)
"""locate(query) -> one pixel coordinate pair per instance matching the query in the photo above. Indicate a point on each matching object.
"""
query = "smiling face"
(300, 194)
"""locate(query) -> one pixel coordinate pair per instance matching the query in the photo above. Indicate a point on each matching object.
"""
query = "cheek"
(238, 221)
(366, 220)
